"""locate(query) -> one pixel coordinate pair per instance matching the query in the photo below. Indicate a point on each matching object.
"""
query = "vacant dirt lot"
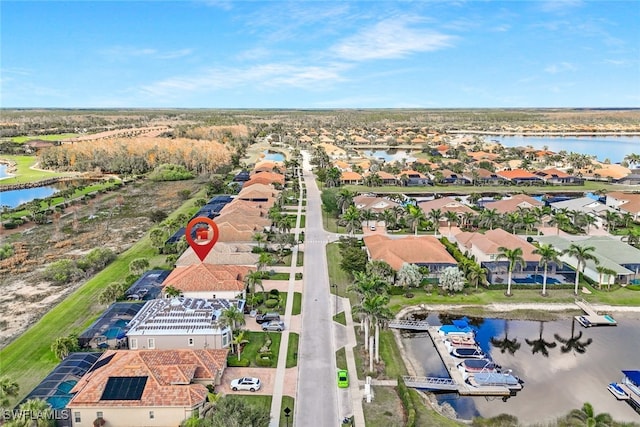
(115, 220)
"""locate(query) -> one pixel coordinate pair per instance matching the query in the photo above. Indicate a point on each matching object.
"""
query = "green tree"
(602, 271)
(409, 276)
(548, 254)
(112, 292)
(234, 411)
(352, 219)
(452, 279)
(8, 389)
(582, 254)
(414, 217)
(515, 259)
(232, 317)
(171, 292)
(34, 413)
(63, 271)
(477, 275)
(434, 216)
(138, 266)
(253, 280)
(239, 339)
(264, 259)
(62, 346)
(158, 238)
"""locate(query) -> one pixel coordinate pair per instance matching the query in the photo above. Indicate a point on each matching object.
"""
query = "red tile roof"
(170, 375)
(208, 277)
(411, 249)
(516, 173)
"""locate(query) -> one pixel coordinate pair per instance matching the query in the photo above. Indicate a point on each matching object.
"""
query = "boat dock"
(456, 382)
(591, 316)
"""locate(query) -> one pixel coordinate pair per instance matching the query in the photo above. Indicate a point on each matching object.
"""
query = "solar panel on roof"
(100, 363)
(124, 388)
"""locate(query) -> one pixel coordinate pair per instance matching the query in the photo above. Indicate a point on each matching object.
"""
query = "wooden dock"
(592, 317)
(456, 382)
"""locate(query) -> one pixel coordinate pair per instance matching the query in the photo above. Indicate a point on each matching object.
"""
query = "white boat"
(617, 391)
(496, 379)
(461, 340)
(468, 353)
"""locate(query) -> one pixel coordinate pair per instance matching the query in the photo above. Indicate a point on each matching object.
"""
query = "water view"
(562, 364)
(389, 155)
(614, 148)
(15, 198)
(3, 171)
(273, 156)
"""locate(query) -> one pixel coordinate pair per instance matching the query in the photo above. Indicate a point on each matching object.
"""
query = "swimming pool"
(536, 278)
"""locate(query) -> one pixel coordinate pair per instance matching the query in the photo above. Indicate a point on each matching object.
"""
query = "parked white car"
(246, 383)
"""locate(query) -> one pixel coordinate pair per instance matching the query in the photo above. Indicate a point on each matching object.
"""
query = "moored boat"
(478, 365)
(501, 379)
(617, 391)
(468, 353)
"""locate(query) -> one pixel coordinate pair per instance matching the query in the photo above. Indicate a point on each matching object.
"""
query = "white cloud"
(273, 75)
(560, 68)
(389, 39)
(123, 52)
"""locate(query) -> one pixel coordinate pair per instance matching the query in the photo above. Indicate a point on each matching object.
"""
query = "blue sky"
(316, 54)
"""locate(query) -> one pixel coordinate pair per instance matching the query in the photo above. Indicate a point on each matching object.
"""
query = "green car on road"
(343, 379)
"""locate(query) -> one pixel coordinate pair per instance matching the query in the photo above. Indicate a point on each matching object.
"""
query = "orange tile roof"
(489, 242)
(632, 204)
(445, 204)
(169, 377)
(516, 173)
(512, 204)
(265, 178)
(222, 253)
(208, 277)
(554, 171)
(350, 176)
(411, 249)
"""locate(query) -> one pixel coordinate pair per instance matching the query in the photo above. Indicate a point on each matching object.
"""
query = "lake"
(273, 156)
(613, 148)
(391, 155)
(553, 385)
(3, 171)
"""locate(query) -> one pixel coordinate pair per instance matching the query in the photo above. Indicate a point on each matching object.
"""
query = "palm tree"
(238, 341)
(264, 259)
(352, 219)
(514, 256)
(489, 218)
(451, 217)
(252, 280)
(62, 346)
(435, 215)
(171, 292)
(512, 220)
(414, 216)
(611, 218)
(373, 310)
(232, 317)
(540, 345)
(582, 254)
(573, 343)
(548, 254)
(587, 417)
(259, 238)
(602, 270)
(560, 220)
(8, 389)
(32, 407)
(633, 237)
(344, 199)
(476, 275)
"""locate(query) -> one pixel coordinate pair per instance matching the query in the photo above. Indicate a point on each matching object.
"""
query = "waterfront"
(553, 384)
(614, 148)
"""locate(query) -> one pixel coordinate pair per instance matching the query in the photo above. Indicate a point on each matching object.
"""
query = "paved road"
(317, 398)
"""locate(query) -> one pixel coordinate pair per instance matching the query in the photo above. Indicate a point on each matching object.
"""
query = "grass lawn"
(303, 221)
(52, 137)
(428, 417)
(337, 275)
(385, 410)
(394, 364)
(287, 402)
(589, 186)
(257, 340)
(341, 359)
(24, 174)
(292, 351)
(340, 318)
(29, 358)
(297, 303)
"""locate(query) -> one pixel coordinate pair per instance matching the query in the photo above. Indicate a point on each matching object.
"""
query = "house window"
(190, 341)
(225, 340)
(99, 414)
(134, 343)
(151, 415)
(152, 343)
(76, 417)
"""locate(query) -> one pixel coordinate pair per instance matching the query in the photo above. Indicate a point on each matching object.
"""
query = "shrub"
(271, 303)
(168, 172)
(233, 362)
(263, 362)
(274, 292)
(408, 295)
(298, 276)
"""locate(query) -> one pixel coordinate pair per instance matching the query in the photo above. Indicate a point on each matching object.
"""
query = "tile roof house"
(350, 178)
(604, 171)
(558, 177)
(411, 178)
(267, 166)
(611, 253)
(374, 204)
(385, 177)
(143, 388)
(257, 193)
(484, 176)
(174, 323)
(625, 203)
(585, 205)
(265, 178)
(520, 176)
(517, 201)
(424, 251)
(232, 253)
(485, 249)
(203, 280)
(445, 204)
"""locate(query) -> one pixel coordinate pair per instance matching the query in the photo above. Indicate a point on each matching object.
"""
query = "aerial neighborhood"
(305, 271)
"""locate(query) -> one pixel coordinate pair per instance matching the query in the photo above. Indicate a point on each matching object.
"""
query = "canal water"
(555, 383)
(614, 148)
(390, 155)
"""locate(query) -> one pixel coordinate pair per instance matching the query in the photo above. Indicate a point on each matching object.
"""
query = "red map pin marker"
(206, 237)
